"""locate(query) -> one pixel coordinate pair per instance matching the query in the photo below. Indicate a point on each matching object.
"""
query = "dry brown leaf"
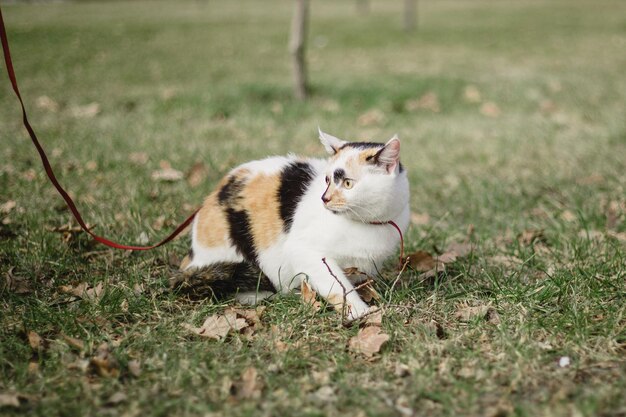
(252, 316)
(374, 317)
(5, 208)
(421, 261)
(86, 111)
(9, 400)
(73, 342)
(367, 292)
(420, 219)
(460, 249)
(472, 94)
(84, 291)
(134, 367)
(466, 313)
(429, 101)
(34, 340)
(218, 326)
(309, 296)
(104, 363)
(17, 284)
(531, 236)
(46, 103)
(249, 385)
(368, 341)
(167, 175)
(117, 398)
(490, 109)
(139, 158)
(371, 117)
(196, 174)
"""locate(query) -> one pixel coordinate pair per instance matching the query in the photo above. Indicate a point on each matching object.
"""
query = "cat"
(274, 222)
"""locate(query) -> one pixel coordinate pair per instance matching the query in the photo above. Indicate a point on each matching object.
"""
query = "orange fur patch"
(366, 154)
(211, 224)
(260, 198)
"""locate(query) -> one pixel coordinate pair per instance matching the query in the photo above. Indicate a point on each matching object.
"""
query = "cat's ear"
(389, 156)
(331, 143)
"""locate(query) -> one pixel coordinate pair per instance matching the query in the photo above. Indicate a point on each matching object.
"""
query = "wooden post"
(410, 15)
(297, 48)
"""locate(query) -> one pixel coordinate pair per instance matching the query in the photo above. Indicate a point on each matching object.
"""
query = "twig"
(343, 307)
(395, 281)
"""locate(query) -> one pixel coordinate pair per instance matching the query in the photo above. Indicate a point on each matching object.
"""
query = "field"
(512, 116)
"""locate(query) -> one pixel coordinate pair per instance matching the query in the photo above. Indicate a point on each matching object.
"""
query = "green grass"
(209, 82)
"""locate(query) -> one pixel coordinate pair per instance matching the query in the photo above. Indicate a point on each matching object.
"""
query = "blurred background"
(512, 117)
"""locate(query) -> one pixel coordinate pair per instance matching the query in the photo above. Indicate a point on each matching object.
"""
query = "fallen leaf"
(117, 398)
(34, 340)
(84, 291)
(249, 385)
(367, 292)
(69, 232)
(5, 208)
(252, 316)
(86, 111)
(472, 94)
(104, 363)
(422, 261)
(532, 236)
(309, 296)
(466, 313)
(368, 341)
(490, 109)
(428, 101)
(134, 367)
(460, 249)
(46, 103)
(139, 158)
(621, 236)
(167, 175)
(9, 400)
(17, 284)
(374, 317)
(420, 219)
(218, 326)
(196, 174)
(324, 395)
(91, 165)
(73, 342)
(371, 117)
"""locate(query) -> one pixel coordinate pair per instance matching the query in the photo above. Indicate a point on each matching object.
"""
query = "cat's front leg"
(328, 279)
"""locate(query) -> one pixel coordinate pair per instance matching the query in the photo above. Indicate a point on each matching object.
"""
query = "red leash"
(48, 167)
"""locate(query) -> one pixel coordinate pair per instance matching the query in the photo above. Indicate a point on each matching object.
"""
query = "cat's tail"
(221, 281)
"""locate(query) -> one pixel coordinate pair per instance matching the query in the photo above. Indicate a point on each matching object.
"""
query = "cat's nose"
(325, 199)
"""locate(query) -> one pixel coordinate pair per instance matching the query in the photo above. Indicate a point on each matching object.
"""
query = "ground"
(513, 128)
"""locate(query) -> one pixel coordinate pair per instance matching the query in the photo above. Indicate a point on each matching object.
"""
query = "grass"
(536, 182)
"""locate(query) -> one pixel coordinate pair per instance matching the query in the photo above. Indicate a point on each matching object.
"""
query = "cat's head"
(364, 180)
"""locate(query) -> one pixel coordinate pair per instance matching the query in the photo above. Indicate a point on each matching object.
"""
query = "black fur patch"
(220, 280)
(230, 191)
(339, 175)
(362, 145)
(294, 180)
(241, 233)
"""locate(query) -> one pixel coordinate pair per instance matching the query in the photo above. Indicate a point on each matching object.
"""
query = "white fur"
(344, 239)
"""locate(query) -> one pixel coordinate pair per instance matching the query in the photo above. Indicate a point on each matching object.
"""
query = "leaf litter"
(218, 326)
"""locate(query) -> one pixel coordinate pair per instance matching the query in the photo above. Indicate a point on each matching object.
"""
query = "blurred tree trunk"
(297, 48)
(410, 15)
(363, 6)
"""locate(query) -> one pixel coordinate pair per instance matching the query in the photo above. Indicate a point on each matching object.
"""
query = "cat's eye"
(327, 179)
(348, 183)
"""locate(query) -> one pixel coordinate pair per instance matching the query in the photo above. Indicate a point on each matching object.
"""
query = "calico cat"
(284, 215)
